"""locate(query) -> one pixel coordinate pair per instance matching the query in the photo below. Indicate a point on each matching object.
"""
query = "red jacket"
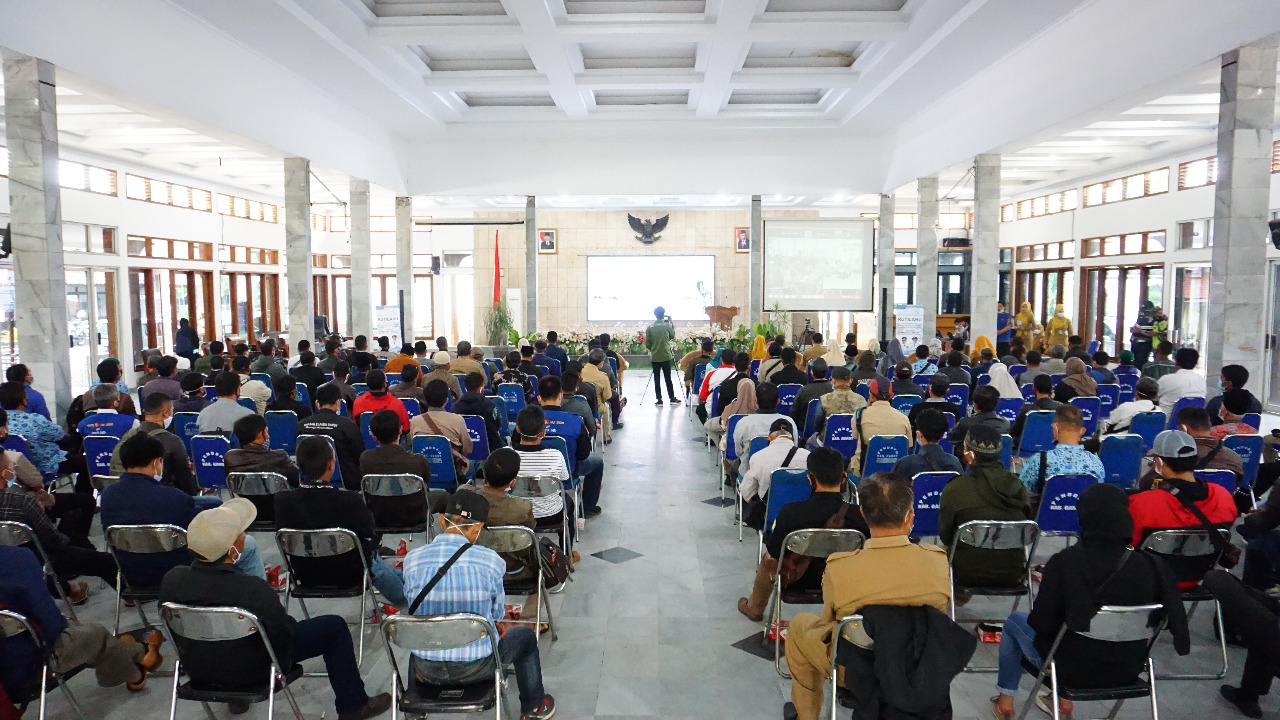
(1159, 510)
(371, 402)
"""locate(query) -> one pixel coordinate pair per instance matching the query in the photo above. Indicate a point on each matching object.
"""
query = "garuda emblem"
(648, 229)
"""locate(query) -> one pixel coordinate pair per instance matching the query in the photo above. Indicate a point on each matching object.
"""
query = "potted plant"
(498, 325)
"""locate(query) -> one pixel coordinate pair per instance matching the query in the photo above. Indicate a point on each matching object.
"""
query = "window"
(1194, 234)
(1152, 182)
(1046, 251)
(88, 238)
(147, 189)
(901, 221)
(1006, 213)
(77, 176)
(1275, 157)
(1198, 173)
(319, 261)
(904, 258)
(1130, 244)
(166, 248)
(1051, 204)
(320, 222)
(248, 209)
(253, 255)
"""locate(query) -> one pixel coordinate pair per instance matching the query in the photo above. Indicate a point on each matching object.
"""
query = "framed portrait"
(742, 240)
(547, 241)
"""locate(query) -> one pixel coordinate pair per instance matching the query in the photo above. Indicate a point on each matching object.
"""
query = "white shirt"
(1122, 417)
(718, 376)
(547, 462)
(256, 391)
(755, 482)
(1178, 385)
(751, 426)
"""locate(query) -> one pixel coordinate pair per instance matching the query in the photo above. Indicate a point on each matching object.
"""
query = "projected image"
(818, 264)
(629, 287)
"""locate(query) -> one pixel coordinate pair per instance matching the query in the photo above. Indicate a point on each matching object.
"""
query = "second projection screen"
(818, 265)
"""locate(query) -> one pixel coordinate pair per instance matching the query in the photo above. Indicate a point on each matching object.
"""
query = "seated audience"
(865, 366)
(936, 399)
(1098, 570)
(464, 363)
(930, 426)
(474, 402)
(954, 372)
(513, 374)
(1057, 363)
(331, 356)
(540, 460)
(1162, 364)
(74, 510)
(255, 390)
(221, 415)
(1168, 504)
(501, 469)
(342, 430)
(986, 358)
(1232, 406)
(109, 373)
(286, 388)
(701, 355)
(255, 454)
(384, 349)
(575, 400)
(402, 361)
(267, 363)
(45, 440)
(473, 584)
(192, 399)
(1255, 615)
(216, 537)
(1194, 421)
(902, 381)
(842, 400)
(203, 365)
(744, 403)
(407, 388)
(443, 371)
(1144, 400)
(825, 507)
(1184, 383)
(1076, 349)
(987, 492)
(729, 385)
(379, 399)
(586, 464)
(1003, 382)
(1079, 382)
(158, 412)
(985, 401)
(1233, 377)
(308, 374)
(819, 385)
(779, 453)
(341, 374)
(788, 372)
(107, 419)
(165, 383)
(758, 423)
(1034, 368)
(389, 458)
(920, 360)
(1043, 390)
(1067, 457)
(717, 372)
(1100, 371)
(304, 345)
(888, 570)
(878, 418)
(435, 420)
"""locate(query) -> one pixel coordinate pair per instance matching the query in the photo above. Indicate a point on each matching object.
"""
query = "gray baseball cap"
(1174, 444)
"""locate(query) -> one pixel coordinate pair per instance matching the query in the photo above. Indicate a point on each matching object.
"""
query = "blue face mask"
(1220, 388)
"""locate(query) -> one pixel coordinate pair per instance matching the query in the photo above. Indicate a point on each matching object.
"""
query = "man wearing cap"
(216, 537)
(1121, 418)
(779, 453)
(472, 584)
(878, 418)
(442, 372)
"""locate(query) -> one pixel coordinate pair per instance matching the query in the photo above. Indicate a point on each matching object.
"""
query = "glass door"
(90, 322)
(1190, 306)
(1111, 298)
(1273, 342)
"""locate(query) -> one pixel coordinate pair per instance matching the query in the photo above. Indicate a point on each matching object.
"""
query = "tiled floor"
(647, 629)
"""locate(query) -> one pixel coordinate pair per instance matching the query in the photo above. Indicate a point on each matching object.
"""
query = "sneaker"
(617, 426)
(675, 401)
(543, 711)
(592, 512)
(1042, 702)
(659, 402)
(377, 705)
(1246, 705)
(789, 711)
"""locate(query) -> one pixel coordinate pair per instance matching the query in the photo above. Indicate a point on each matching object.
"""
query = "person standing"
(1004, 330)
(186, 341)
(657, 340)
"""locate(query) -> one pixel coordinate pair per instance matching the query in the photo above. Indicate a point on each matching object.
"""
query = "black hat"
(984, 441)
(470, 505)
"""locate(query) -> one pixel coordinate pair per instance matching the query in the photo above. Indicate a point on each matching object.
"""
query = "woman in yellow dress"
(1027, 327)
(1058, 329)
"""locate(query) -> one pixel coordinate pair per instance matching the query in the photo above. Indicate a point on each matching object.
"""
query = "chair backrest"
(699, 374)
(839, 434)
(210, 393)
(568, 426)
(787, 396)
(1225, 478)
(360, 388)
(1121, 456)
(785, 485)
(1094, 346)
(1249, 448)
(479, 437)
(883, 451)
(370, 442)
(562, 445)
(1006, 450)
(713, 401)
(1058, 503)
(201, 629)
(863, 388)
(1008, 408)
(395, 485)
(102, 482)
(435, 448)
(1128, 387)
(811, 417)
(758, 443)
(265, 379)
(438, 632)
(1188, 551)
(1028, 393)
(209, 452)
(244, 484)
(1125, 623)
(755, 369)
(1057, 378)
(319, 543)
(13, 624)
(513, 394)
(184, 426)
(1016, 370)
(1037, 432)
(412, 407)
(1177, 407)
(303, 395)
(958, 395)
(822, 542)
(1091, 409)
(922, 379)
(1147, 425)
(500, 403)
(513, 541)
(927, 488)
(1109, 394)
(144, 540)
(336, 480)
(1253, 420)
(983, 379)
(247, 404)
(282, 428)
(393, 378)
(537, 486)
(998, 535)
(613, 364)
(730, 448)
(97, 452)
(904, 403)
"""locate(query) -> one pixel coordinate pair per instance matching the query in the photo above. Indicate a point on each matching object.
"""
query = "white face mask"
(167, 422)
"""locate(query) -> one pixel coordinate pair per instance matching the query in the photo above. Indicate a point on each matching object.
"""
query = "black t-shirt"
(813, 512)
(942, 407)
(789, 374)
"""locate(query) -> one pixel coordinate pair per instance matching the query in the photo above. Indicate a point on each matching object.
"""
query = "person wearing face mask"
(930, 426)
(1058, 329)
(139, 498)
(156, 418)
(1067, 457)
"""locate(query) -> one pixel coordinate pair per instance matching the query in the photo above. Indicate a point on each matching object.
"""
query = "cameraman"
(657, 340)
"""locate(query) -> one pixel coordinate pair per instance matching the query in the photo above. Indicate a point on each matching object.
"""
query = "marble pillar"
(404, 266)
(927, 254)
(984, 279)
(361, 260)
(1237, 278)
(755, 273)
(531, 264)
(35, 202)
(885, 262)
(297, 248)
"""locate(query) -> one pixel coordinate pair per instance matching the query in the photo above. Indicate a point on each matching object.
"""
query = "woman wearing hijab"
(834, 355)
(1027, 327)
(744, 404)
(935, 351)
(1002, 381)
(892, 356)
(866, 369)
(759, 351)
(1079, 382)
(981, 342)
(1101, 569)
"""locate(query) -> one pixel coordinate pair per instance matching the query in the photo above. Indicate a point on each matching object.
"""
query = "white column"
(884, 267)
(985, 247)
(755, 273)
(531, 264)
(35, 214)
(1237, 278)
(927, 254)
(361, 264)
(404, 264)
(297, 248)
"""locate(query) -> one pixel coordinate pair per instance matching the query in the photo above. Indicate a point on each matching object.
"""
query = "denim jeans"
(1016, 642)
(327, 636)
(206, 502)
(518, 646)
(591, 469)
(250, 560)
(387, 580)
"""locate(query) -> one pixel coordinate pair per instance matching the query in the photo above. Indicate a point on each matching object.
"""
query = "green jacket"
(657, 340)
(989, 492)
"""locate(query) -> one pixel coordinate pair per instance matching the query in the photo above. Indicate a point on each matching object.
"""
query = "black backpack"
(555, 565)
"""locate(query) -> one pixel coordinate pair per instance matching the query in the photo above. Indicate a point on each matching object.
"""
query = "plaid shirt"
(473, 584)
(17, 506)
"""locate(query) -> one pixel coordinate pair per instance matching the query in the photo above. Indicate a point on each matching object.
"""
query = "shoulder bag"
(1228, 554)
(422, 594)
(460, 462)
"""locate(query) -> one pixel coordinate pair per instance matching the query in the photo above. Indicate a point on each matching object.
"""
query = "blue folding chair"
(613, 364)
(904, 403)
(210, 393)
(553, 366)
(958, 395)
(730, 451)
(883, 452)
(1147, 425)
(1253, 420)
(184, 426)
(479, 438)
(755, 369)
(927, 487)
(787, 396)
(922, 379)
(1028, 393)
(786, 485)
(562, 445)
(811, 419)
(1094, 347)
(513, 394)
(370, 442)
(435, 448)
(265, 379)
(1182, 403)
(336, 480)
(500, 403)
(393, 379)
(282, 428)
(1091, 410)
(17, 444)
(411, 407)
(1037, 432)
(758, 443)
(1249, 448)
(1058, 504)
(840, 436)
(1110, 397)
(984, 379)
(248, 404)
(1127, 370)
(1016, 370)
(1121, 456)
(209, 452)
(343, 410)
(1128, 388)
(1225, 478)
(360, 388)
(699, 374)
(1058, 378)
(1008, 408)
(97, 451)
(863, 388)
(304, 396)
(1006, 451)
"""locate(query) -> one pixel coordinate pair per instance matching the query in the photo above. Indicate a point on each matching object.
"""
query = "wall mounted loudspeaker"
(6, 247)
(1274, 225)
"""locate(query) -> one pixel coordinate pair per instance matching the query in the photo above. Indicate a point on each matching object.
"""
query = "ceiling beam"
(728, 48)
(538, 20)
(638, 79)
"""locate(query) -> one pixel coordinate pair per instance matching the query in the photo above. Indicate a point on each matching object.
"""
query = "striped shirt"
(543, 462)
(472, 585)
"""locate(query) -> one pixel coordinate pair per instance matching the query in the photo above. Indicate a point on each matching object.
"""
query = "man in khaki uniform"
(888, 570)
(816, 350)
(465, 364)
(878, 418)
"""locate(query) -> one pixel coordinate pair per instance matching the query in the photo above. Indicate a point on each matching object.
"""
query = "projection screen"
(628, 287)
(818, 265)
